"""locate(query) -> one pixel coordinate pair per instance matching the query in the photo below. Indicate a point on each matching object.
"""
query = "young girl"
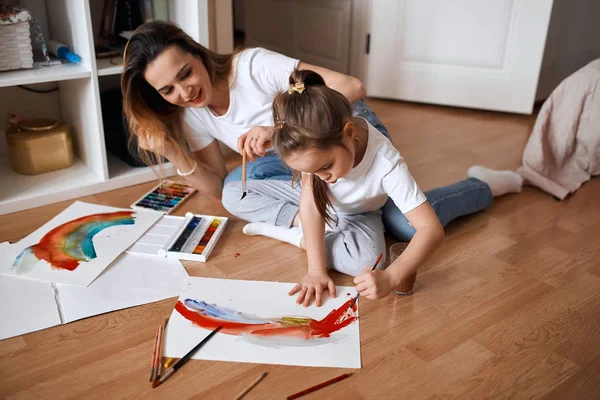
(348, 170)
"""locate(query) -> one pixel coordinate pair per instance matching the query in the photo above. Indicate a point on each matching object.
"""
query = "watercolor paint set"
(165, 197)
(192, 237)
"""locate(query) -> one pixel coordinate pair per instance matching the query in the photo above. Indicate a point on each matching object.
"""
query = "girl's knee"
(230, 197)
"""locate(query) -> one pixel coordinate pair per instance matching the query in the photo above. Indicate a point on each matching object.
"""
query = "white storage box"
(15, 42)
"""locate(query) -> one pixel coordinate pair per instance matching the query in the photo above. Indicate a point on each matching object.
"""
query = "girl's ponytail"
(310, 115)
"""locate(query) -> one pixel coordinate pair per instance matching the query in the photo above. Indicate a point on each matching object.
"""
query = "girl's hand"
(314, 283)
(374, 284)
(256, 141)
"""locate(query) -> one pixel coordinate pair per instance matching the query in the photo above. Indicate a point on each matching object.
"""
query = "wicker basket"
(15, 43)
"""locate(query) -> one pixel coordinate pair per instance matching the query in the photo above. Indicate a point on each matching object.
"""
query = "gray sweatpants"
(351, 244)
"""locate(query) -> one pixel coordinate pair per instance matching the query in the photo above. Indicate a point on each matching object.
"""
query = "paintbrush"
(372, 269)
(243, 174)
(184, 359)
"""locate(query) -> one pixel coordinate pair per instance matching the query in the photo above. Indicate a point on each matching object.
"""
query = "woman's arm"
(210, 168)
(313, 229)
(349, 86)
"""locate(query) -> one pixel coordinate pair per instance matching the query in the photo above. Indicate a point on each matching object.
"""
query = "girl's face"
(180, 78)
(328, 164)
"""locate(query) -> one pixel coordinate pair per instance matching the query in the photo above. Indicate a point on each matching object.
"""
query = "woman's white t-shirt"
(258, 75)
(381, 173)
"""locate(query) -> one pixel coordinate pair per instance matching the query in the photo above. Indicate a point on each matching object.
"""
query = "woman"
(178, 97)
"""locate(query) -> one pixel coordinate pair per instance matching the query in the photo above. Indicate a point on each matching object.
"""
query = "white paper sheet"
(109, 238)
(130, 281)
(255, 303)
(25, 305)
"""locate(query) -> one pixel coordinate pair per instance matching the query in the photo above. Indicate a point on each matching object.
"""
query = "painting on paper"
(78, 244)
(262, 324)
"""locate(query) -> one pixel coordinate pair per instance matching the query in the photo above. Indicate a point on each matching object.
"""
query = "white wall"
(573, 41)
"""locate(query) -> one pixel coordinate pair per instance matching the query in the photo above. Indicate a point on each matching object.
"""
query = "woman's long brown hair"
(145, 110)
(314, 118)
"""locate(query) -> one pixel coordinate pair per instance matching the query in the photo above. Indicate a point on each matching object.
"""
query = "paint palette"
(165, 197)
(192, 237)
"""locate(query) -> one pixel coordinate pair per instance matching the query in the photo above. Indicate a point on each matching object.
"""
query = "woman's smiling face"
(180, 78)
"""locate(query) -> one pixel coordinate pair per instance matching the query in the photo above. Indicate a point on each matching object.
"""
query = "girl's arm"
(313, 228)
(429, 235)
(349, 86)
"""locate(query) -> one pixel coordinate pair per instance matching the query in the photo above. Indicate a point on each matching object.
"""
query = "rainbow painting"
(210, 316)
(70, 244)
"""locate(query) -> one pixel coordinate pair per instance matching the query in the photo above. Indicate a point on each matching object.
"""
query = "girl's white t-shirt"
(258, 75)
(381, 173)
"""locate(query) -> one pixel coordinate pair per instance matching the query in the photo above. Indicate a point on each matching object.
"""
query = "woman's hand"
(160, 146)
(313, 284)
(374, 284)
(256, 141)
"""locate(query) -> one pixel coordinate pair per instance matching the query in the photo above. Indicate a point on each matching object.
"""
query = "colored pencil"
(372, 269)
(243, 174)
(160, 347)
(155, 362)
(319, 386)
(249, 388)
(153, 356)
(185, 358)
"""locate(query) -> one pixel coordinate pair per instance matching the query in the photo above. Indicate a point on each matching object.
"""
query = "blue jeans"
(449, 202)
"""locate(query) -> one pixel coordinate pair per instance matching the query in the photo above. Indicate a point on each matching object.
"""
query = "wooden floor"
(508, 307)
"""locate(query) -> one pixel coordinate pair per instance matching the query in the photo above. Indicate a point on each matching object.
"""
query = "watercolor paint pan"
(192, 237)
(165, 197)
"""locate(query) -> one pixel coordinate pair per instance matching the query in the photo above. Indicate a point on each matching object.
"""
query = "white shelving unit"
(74, 22)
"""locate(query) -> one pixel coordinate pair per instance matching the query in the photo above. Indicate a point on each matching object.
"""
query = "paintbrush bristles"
(243, 174)
(372, 269)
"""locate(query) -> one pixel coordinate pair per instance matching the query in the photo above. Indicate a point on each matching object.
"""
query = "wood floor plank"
(504, 336)
(433, 345)
(583, 384)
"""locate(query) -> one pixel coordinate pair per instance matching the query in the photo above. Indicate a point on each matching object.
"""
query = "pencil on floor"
(251, 386)
(160, 347)
(152, 367)
(319, 386)
(185, 358)
(156, 359)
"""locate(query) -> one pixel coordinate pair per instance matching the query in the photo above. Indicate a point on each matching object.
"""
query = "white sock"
(291, 235)
(501, 182)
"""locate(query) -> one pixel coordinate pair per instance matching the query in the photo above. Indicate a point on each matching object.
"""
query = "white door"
(314, 31)
(469, 53)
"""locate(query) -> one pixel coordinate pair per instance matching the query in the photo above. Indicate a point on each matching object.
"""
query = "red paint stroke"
(300, 327)
(236, 255)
